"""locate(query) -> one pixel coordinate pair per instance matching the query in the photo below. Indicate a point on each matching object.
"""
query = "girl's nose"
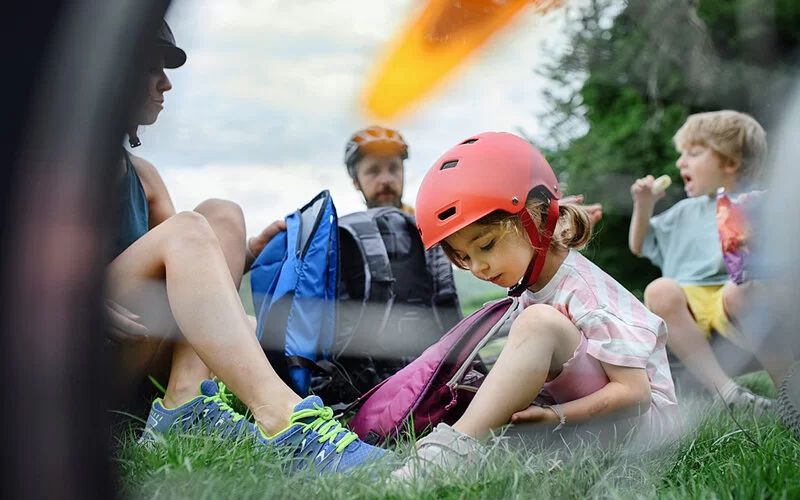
(478, 268)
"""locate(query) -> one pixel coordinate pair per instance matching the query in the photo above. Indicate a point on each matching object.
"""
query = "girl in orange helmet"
(582, 345)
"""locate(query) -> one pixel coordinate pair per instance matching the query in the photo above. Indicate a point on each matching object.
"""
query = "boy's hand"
(642, 192)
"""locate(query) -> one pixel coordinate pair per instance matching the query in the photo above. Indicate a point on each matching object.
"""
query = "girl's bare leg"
(540, 342)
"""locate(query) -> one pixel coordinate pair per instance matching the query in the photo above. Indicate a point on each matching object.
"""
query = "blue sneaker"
(316, 440)
(207, 413)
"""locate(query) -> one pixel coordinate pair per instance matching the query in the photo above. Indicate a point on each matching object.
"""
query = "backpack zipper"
(453, 382)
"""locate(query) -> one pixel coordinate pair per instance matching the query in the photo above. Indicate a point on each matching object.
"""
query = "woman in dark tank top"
(174, 312)
(142, 319)
(133, 212)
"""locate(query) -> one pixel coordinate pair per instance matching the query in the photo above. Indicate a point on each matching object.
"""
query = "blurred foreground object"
(789, 400)
(433, 44)
(772, 324)
(72, 75)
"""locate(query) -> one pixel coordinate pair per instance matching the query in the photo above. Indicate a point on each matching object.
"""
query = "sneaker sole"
(789, 400)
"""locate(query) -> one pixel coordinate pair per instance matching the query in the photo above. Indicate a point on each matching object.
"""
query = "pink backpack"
(436, 387)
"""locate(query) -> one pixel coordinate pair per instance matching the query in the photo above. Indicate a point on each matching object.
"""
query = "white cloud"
(308, 85)
(335, 20)
(267, 99)
(265, 192)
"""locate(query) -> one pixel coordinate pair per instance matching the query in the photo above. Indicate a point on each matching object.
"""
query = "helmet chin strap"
(133, 137)
(540, 242)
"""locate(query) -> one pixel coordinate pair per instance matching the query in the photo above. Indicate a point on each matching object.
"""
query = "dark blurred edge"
(68, 74)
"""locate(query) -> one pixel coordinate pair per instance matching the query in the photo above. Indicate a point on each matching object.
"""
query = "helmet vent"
(469, 141)
(446, 214)
(449, 164)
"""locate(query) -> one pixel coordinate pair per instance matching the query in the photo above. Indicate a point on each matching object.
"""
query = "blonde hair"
(573, 229)
(734, 135)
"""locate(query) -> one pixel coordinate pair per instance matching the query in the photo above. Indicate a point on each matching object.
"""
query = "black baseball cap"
(174, 56)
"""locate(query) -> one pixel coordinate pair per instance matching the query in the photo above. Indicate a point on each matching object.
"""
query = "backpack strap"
(446, 306)
(377, 268)
(440, 269)
(444, 298)
(378, 278)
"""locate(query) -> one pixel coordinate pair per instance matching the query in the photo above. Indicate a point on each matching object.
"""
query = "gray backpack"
(395, 300)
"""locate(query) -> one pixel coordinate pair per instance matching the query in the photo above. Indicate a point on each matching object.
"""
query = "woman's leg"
(227, 222)
(182, 260)
(540, 342)
(188, 370)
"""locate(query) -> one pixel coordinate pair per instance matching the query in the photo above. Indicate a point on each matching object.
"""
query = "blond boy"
(695, 296)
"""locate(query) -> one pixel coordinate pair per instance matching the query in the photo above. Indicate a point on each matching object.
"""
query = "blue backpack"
(344, 304)
(294, 282)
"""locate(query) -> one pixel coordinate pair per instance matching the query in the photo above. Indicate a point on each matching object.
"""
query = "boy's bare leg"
(666, 299)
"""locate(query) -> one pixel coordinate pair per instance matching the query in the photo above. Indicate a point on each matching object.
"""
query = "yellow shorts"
(705, 304)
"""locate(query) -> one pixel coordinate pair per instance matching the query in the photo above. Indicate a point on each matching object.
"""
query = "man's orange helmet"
(373, 140)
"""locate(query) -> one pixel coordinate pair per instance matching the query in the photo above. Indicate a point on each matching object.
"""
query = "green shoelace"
(325, 425)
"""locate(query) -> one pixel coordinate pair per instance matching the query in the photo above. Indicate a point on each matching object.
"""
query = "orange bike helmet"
(374, 139)
(488, 172)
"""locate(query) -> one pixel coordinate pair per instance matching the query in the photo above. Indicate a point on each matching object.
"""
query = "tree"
(646, 68)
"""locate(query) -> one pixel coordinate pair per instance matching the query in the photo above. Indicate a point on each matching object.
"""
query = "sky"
(262, 110)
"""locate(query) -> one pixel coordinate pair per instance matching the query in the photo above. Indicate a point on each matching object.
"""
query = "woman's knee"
(664, 295)
(193, 229)
(223, 214)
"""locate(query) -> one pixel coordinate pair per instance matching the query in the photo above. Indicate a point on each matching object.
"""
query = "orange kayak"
(434, 43)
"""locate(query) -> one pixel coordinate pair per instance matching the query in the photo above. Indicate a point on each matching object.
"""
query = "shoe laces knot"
(325, 425)
(221, 402)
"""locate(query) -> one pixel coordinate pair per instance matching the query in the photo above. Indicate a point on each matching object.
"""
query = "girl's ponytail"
(574, 229)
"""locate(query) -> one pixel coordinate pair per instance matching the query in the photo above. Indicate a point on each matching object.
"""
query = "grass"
(716, 459)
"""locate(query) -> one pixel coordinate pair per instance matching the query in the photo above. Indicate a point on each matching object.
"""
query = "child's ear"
(730, 166)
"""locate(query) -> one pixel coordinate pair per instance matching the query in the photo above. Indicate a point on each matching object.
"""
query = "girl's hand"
(642, 192)
(534, 413)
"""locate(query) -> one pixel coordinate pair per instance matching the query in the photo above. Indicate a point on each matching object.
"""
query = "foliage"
(645, 68)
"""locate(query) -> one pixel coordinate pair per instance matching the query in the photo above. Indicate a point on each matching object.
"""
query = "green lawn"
(717, 459)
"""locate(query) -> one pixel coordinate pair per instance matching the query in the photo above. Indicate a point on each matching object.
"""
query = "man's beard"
(396, 202)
